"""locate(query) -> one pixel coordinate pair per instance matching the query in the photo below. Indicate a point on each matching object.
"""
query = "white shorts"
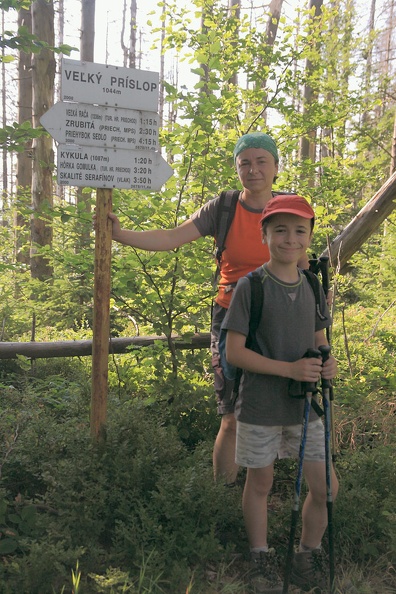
(258, 446)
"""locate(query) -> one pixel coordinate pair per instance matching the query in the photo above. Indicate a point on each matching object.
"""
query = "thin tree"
(4, 193)
(130, 49)
(234, 11)
(369, 56)
(24, 158)
(132, 35)
(392, 168)
(87, 45)
(265, 59)
(162, 66)
(307, 148)
(43, 69)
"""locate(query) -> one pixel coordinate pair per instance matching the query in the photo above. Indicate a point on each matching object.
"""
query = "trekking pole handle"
(311, 354)
(324, 350)
(324, 270)
(314, 264)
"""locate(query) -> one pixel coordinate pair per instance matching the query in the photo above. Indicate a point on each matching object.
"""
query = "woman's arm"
(156, 240)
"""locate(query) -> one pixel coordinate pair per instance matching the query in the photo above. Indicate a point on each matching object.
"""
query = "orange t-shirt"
(243, 253)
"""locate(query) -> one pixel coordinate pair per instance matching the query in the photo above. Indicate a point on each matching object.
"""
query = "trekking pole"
(324, 270)
(309, 391)
(325, 350)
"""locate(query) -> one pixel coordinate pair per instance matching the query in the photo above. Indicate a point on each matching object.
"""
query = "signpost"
(95, 125)
(109, 168)
(108, 129)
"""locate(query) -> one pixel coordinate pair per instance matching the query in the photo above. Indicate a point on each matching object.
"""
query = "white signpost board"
(92, 125)
(108, 113)
(97, 167)
(115, 86)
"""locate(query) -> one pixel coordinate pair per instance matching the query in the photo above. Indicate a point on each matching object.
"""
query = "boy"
(268, 419)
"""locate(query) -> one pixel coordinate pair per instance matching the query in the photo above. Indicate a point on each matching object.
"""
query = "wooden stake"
(101, 317)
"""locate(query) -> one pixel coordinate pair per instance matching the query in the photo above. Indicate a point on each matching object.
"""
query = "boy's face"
(288, 236)
(256, 169)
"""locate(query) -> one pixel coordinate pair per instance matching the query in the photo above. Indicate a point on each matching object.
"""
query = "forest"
(138, 511)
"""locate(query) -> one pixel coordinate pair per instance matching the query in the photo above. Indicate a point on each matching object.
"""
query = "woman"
(256, 160)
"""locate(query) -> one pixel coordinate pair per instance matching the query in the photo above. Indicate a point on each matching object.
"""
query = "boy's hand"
(306, 370)
(329, 368)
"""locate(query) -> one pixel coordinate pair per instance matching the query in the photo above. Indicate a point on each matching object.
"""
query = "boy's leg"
(309, 570)
(314, 513)
(254, 504)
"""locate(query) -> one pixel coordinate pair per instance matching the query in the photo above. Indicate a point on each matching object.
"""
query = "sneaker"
(263, 575)
(308, 572)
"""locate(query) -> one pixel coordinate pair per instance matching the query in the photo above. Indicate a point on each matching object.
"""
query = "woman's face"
(256, 169)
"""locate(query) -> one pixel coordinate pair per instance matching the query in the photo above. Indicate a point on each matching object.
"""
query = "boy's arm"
(303, 370)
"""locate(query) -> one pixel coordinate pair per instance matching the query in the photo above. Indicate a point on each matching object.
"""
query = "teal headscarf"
(256, 140)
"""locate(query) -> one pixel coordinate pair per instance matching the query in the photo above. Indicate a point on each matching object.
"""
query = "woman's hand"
(116, 228)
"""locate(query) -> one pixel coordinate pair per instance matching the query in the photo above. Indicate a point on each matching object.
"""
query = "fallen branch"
(363, 225)
(83, 348)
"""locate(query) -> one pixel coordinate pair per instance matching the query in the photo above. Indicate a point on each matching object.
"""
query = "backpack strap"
(256, 308)
(228, 201)
(315, 286)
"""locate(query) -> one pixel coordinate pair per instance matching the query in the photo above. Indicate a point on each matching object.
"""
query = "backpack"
(233, 373)
(228, 201)
(256, 306)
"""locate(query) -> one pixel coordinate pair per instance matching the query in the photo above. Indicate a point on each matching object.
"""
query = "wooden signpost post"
(108, 126)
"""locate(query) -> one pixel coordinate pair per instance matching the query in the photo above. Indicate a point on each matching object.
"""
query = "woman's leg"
(224, 467)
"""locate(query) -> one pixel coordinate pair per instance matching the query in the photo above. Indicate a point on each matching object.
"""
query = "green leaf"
(8, 545)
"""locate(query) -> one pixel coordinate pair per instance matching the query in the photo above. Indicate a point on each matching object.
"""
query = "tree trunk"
(132, 36)
(370, 217)
(162, 67)
(234, 11)
(87, 44)
(4, 192)
(393, 149)
(129, 50)
(275, 9)
(369, 57)
(43, 65)
(24, 158)
(87, 39)
(307, 149)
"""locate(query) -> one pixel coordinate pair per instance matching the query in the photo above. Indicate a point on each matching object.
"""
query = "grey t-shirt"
(286, 330)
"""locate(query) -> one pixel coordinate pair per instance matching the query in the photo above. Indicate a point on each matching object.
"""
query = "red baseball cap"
(288, 203)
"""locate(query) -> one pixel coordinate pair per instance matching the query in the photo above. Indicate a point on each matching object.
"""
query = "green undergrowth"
(140, 512)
